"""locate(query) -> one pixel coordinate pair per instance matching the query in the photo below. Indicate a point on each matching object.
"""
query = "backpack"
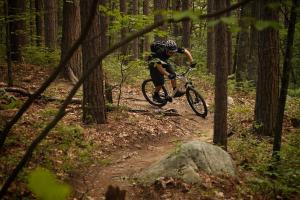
(158, 47)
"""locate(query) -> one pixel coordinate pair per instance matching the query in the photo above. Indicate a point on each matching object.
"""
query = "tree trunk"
(253, 49)
(186, 25)
(221, 66)
(287, 66)
(39, 21)
(8, 47)
(229, 41)
(70, 33)
(51, 21)
(93, 92)
(210, 40)
(176, 6)
(135, 43)
(242, 55)
(104, 45)
(104, 26)
(123, 10)
(159, 7)
(146, 45)
(17, 28)
(268, 72)
(32, 26)
(112, 36)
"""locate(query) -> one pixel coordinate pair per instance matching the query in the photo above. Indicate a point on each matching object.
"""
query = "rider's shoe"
(178, 93)
(169, 98)
(157, 98)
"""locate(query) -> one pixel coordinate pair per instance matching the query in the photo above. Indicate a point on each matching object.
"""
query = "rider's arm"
(188, 55)
(161, 69)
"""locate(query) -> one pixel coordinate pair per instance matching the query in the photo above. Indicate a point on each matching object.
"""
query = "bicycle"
(194, 98)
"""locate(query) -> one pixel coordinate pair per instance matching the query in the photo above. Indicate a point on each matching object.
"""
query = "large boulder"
(187, 161)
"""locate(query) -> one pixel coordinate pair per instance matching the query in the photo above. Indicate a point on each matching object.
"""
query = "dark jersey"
(162, 56)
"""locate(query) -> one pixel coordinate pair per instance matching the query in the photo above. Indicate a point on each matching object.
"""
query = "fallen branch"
(27, 93)
(170, 112)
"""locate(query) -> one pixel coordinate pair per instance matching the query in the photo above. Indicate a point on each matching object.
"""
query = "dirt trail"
(126, 163)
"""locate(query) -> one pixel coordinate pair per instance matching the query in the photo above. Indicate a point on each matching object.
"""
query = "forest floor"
(154, 135)
(91, 157)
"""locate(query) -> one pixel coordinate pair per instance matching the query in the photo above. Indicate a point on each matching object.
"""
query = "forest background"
(250, 51)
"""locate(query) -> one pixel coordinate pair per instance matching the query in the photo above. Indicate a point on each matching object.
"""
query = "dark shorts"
(157, 77)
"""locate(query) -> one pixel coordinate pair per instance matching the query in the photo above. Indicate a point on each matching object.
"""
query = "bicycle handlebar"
(186, 71)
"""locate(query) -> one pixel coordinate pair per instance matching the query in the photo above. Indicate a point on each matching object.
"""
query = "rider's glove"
(172, 76)
(193, 65)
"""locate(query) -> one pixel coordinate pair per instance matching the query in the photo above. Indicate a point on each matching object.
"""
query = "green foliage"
(239, 113)
(114, 107)
(46, 187)
(264, 24)
(292, 107)
(193, 15)
(49, 112)
(245, 86)
(132, 72)
(132, 22)
(294, 92)
(295, 75)
(254, 155)
(14, 103)
(8, 101)
(70, 134)
(41, 56)
(105, 162)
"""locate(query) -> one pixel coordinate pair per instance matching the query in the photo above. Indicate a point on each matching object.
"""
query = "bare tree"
(123, 10)
(176, 6)
(39, 21)
(268, 71)
(159, 7)
(253, 49)
(135, 43)
(242, 48)
(287, 66)
(8, 47)
(221, 71)
(229, 42)
(104, 23)
(16, 8)
(186, 25)
(210, 41)
(70, 33)
(93, 88)
(146, 44)
(51, 24)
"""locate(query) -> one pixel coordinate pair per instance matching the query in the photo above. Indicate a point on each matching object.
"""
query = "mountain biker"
(159, 67)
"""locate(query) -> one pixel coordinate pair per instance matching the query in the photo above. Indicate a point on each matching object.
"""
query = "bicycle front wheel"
(196, 101)
(148, 89)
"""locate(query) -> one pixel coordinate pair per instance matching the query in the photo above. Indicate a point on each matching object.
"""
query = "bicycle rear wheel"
(196, 102)
(148, 89)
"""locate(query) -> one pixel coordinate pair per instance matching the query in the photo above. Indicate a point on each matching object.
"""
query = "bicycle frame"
(184, 77)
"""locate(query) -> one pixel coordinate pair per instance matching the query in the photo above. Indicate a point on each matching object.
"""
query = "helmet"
(171, 45)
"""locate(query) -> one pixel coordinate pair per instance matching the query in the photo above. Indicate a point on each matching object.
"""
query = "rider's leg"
(173, 83)
(176, 91)
(158, 88)
(158, 81)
